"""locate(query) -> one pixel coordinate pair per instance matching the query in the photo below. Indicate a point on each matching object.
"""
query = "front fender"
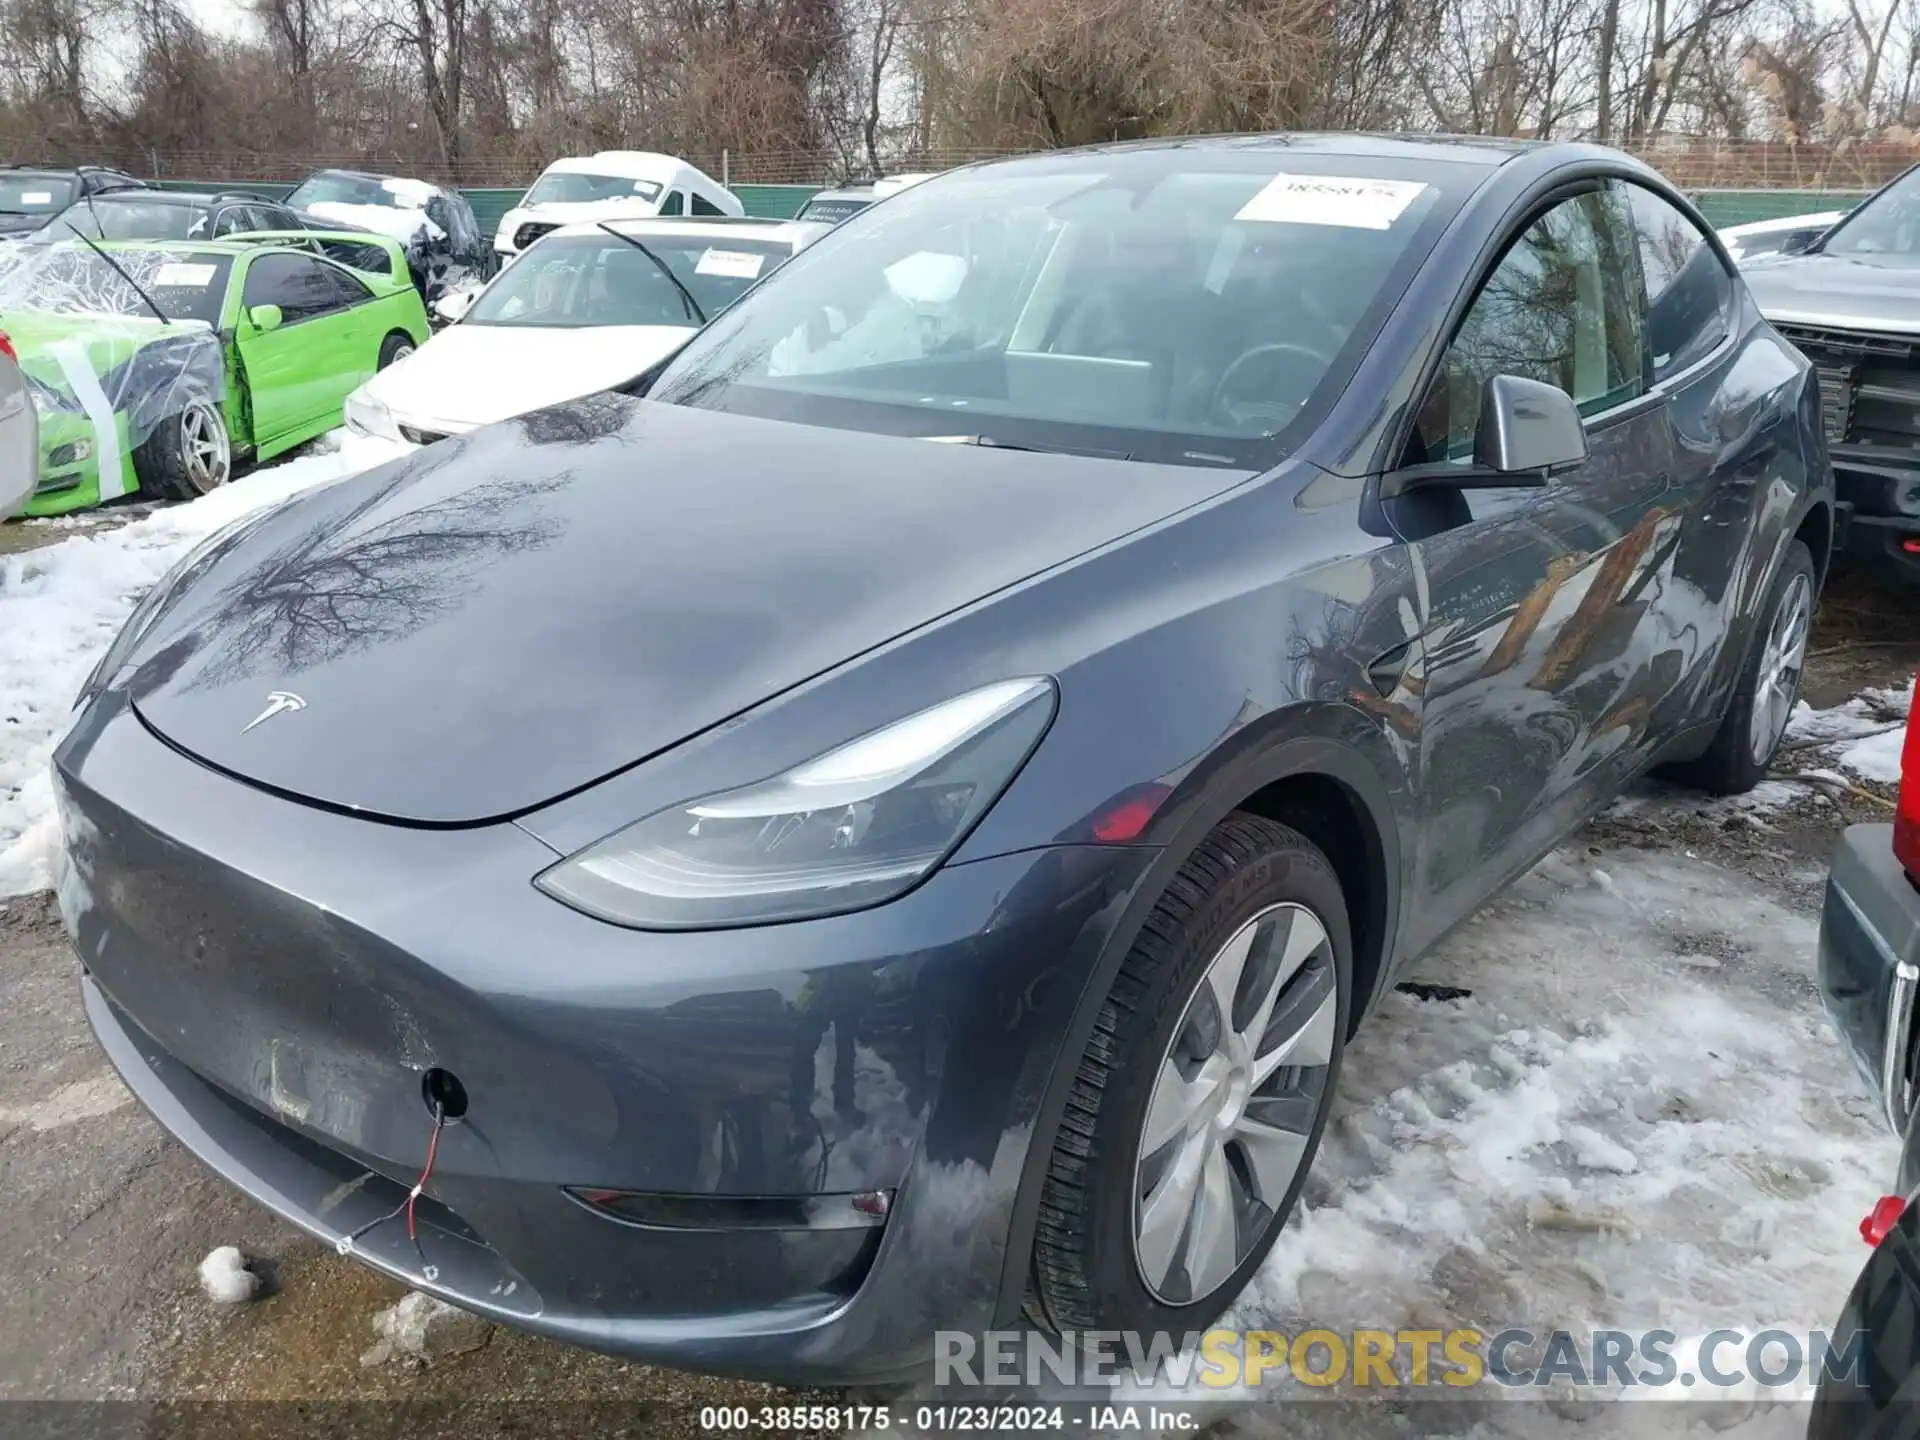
(1334, 741)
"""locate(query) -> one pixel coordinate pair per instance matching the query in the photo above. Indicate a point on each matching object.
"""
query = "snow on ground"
(62, 604)
(1639, 1119)
(1865, 735)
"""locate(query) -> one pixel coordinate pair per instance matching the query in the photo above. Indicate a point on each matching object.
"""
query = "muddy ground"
(106, 1219)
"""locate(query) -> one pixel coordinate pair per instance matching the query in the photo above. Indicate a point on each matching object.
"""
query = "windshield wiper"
(987, 442)
(685, 294)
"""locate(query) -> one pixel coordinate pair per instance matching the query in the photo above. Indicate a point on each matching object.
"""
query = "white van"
(614, 183)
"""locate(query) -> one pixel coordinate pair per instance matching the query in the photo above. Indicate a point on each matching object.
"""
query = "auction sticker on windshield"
(37, 197)
(737, 264)
(1356, 203)
(195, 277)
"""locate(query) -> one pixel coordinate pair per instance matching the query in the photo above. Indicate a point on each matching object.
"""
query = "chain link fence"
(1692, 164)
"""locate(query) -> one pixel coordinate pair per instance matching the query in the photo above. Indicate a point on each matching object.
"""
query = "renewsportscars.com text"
(1609, 1360)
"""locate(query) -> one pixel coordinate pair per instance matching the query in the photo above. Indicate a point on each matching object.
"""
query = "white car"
(19, 435)
(1783, 233)
(609, 185)
(833, 206)
(583, 309)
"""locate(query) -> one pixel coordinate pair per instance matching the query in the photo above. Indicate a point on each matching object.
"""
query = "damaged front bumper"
(661, 1135)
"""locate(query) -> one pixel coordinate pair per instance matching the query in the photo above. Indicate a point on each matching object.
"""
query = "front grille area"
(421, 437)
(1869, 384)
(530, 232)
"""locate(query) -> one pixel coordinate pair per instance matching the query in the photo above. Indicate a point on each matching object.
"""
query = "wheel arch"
(1322, 769)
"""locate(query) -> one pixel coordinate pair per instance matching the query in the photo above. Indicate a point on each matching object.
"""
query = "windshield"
(360, 190)
(75, 280)
(571, 187)
(580, 280)
(131, 220)
(1886, 227)
(1185, 305)
(34, 194)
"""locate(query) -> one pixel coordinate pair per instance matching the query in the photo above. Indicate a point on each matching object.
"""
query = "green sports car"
(154, 365)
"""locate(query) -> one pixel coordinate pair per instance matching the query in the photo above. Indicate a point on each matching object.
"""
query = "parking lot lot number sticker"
(193, 277)
(738, 264)
(1352, 202)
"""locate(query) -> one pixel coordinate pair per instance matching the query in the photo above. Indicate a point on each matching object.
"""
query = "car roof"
(794, 232)
(1460, 149)
(171, 247)
(182, 197)
(633, 164)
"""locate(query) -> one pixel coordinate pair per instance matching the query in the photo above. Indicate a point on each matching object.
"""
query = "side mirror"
(265, 317)
(454, 304)
(1528, 431)
(1527, 427)
(1798, 243)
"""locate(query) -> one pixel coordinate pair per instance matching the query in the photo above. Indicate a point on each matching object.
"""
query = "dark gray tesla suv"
(888, 821)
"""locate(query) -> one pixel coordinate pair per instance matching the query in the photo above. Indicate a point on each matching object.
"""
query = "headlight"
(150, 603)
(370, 417)
(852, 828)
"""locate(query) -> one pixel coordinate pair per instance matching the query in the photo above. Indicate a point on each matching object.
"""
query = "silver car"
(19, 435)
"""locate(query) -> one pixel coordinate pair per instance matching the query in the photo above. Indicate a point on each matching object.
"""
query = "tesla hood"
(509, 615)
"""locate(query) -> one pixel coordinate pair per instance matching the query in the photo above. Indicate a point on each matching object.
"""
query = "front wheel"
(1199, 1101)
(187, 455)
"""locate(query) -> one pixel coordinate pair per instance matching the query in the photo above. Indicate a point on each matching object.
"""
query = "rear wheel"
(187, 455)
(395, 347)
(1756, 721)
(1199, 1101)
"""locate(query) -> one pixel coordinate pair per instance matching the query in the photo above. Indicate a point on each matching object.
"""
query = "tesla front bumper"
(275, 982)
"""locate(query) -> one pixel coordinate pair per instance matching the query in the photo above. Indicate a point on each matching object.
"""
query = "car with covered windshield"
(153, 365)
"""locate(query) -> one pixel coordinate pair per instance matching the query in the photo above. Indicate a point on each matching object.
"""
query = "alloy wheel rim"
(203, 444)
(1234, 1101)
(1782, 659)
(400, 353)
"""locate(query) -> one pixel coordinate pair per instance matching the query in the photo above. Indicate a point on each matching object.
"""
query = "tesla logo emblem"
(278, 703)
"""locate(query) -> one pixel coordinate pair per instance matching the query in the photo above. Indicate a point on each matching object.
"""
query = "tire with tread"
(161, 463)
(396, 346)
(1086, 1275)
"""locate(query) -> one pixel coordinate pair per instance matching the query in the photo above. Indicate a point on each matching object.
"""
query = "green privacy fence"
(1738, 207)
(783, 202)
(772, 202)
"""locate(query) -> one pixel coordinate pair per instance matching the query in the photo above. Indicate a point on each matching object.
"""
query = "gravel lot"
(1670, 929)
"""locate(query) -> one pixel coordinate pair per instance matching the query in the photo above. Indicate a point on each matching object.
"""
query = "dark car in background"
(1870, 976)
(445, 247)
(887, 821)
(166, 215)
(30, 196)
(1850, 299)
